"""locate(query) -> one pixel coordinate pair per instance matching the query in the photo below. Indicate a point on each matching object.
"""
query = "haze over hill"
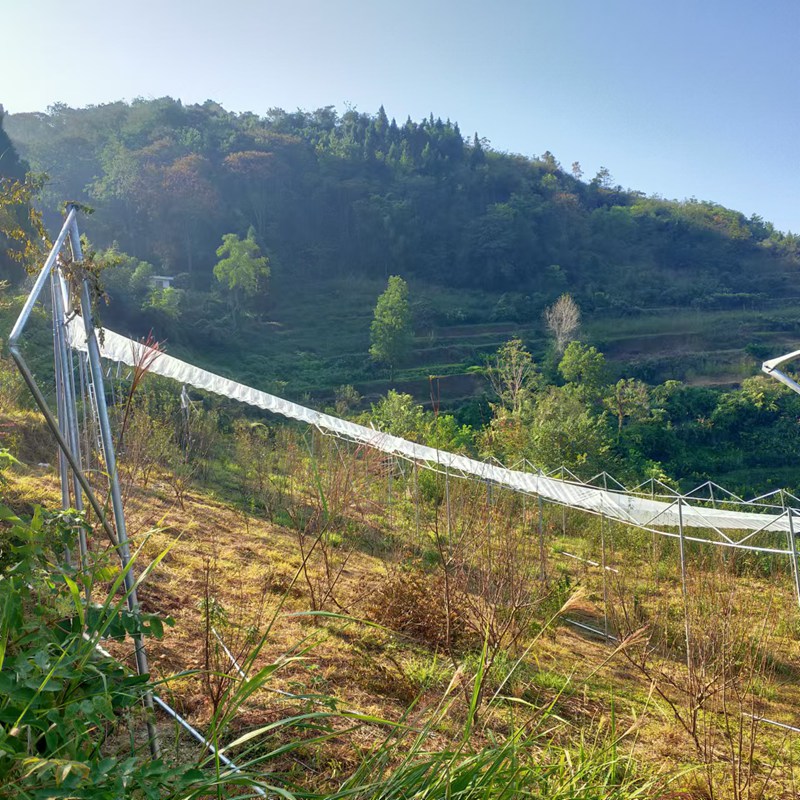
(414, 278)
(681, 99)
(689, 291)
(339, 203)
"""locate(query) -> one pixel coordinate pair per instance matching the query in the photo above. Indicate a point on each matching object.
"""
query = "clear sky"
(681, 98)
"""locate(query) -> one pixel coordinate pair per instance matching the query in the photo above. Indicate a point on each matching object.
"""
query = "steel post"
(447, 504)
(542, 551)
(84, 405)
(63, 469)
(488, 510)
(416, 503)
(52, 423)
(605, 571)
(793, 548)
(390, 462)
(684, 590)
(70, 408)
(41, 279)
(96, 369)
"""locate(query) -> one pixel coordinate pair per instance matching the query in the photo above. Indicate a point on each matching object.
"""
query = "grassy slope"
(314, 342)
(249, 565)
(311, 343)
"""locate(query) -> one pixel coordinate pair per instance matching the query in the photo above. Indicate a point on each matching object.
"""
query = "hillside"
(365, 592)
(390, 626)
(338, 203)
(679, 301)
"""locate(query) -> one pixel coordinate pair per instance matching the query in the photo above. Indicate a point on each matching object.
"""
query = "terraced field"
(309, 345)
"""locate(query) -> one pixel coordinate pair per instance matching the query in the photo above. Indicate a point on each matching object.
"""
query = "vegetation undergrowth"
(482, 672)
(472, 589)
(69, 716)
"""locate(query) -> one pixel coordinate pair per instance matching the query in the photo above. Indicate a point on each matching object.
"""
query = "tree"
(565, 433)
(603, 178)
(391, 334)
(347, 398)
(399, 415)
(254, 173)
(629, 399)
(11, 166)
(584, 366)
(563, 319)
(514, 379)
(550, 161)
(20, 224)
(477, 156)
(513, 376)
(242, 269)
(22, 234)
(186, 200)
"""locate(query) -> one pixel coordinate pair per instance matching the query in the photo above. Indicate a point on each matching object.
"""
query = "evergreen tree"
(11, 166)
(477, 156)
(381, 124)
(391, 334)
(242, 269)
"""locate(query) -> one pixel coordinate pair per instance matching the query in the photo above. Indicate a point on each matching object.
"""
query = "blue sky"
(681, 98)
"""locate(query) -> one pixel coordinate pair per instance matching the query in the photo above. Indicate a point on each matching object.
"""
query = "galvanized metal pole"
(84, 405)
(52, 423)
(605, 571)
(94, 429)
(685, 591)
(416, 503)
(390, 462)
(447, 503)
(60, 406)
(72, 422)
(603, 560)
(542, 551)
(30, 381)
(70, 409)
(488, 510)
(653, 534)
(793, 548)
(109, 456)
(41, 279)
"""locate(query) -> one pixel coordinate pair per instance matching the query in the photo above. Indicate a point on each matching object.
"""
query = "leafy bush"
(62, 705)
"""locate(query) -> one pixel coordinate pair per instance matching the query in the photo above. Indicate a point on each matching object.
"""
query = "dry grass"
(252, 569)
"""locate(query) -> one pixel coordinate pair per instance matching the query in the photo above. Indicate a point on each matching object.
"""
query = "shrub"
(412, 602)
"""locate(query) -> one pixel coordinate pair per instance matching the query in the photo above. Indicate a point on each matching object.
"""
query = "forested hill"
(486, 240)
(363, 195)
(668, 291)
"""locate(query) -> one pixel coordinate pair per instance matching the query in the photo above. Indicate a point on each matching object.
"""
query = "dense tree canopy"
(336, 194)
(355, 198)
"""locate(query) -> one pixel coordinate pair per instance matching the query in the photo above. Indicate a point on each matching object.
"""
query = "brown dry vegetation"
(383, 552)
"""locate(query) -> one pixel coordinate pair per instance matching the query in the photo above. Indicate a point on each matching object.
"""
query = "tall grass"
(486, 556)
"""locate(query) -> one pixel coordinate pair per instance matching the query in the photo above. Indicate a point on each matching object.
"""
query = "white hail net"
(624, 507)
